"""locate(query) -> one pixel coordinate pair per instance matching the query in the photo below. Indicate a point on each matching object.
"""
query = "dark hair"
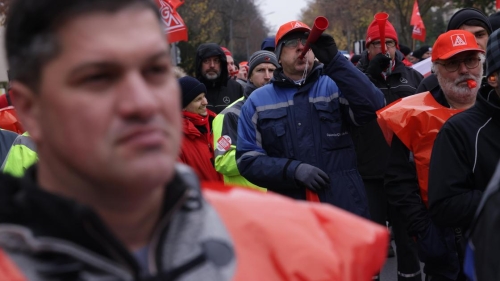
(32, 25)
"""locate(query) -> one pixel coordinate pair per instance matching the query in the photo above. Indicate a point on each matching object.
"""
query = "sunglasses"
(295, 42)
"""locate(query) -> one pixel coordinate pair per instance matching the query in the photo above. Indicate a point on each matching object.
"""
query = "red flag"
(418, 24)
(418, 32)
(174, 28)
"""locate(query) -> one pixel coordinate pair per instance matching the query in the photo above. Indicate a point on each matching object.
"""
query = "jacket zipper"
(152, 261)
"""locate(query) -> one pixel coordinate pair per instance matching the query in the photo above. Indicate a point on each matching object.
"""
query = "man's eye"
(157, 69)
(98, 77)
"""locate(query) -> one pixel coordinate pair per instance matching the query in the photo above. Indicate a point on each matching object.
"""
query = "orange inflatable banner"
(277, 238)
(416, 120)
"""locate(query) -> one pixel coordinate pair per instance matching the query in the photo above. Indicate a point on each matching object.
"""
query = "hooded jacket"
(283, 124)
(222, 91)
(371, 148)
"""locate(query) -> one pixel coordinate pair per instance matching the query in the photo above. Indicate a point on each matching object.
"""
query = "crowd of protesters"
(191, 185)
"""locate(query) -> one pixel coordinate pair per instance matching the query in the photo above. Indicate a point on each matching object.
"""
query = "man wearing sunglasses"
(293, 134)
(414, 122)
(396, 80)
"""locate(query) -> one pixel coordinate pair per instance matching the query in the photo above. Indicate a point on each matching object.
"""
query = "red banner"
(418, 24)
(174, 26)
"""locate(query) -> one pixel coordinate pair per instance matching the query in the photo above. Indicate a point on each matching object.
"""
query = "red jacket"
(198, 153)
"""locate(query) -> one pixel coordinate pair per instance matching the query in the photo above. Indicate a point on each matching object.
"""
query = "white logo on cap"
(458, 40)
(297, 24)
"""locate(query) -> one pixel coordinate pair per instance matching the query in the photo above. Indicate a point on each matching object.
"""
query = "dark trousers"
(406, 248)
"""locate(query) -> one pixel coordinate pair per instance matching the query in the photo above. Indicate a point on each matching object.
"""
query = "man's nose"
(136, 97)
(462, 68)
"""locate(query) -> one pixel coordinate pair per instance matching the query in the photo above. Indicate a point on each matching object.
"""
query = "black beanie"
(466, 14)
(191, 88)
(404, 49)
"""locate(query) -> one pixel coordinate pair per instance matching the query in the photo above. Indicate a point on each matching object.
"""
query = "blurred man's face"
(375, 48)
(480, 33)
(210, 68)
(231, 68)
(290, 52)
(243, 72)
(454, 83)
(262, 74)
(427, 54)
(107, 109)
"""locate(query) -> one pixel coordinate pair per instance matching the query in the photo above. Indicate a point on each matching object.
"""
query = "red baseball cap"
(454, 42)
(289, 27)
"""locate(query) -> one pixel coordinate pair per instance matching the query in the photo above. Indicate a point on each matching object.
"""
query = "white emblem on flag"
(171, 23)
(458, 40)
(417, 30)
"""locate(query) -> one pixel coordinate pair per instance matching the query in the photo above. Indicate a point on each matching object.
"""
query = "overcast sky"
(277, 12)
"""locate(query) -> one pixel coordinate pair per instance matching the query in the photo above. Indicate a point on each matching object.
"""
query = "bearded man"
(466, 152)
(415, 121)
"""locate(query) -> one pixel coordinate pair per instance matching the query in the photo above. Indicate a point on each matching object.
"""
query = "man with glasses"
(388, 73)
(466, 151)
(413, 124)
(212, 70)
(293, 134)
(472, 20)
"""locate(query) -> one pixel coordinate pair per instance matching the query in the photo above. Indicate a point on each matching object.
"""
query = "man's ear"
(27, 105)
(493, 80)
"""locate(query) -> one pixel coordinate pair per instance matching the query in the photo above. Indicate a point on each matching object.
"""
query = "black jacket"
(464, 157)
(436, 246)
(484, 239)
(371, 147)
(222, 91)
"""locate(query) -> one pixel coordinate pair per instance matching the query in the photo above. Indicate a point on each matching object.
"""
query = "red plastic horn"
(320, 25)
(381, 19)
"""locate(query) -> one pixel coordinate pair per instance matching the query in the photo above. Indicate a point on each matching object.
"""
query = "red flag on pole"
(418, 24)
(174, 26)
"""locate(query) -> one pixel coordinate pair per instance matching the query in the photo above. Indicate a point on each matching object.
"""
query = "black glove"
(324, 48)
(378, 64)
(311, 177)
